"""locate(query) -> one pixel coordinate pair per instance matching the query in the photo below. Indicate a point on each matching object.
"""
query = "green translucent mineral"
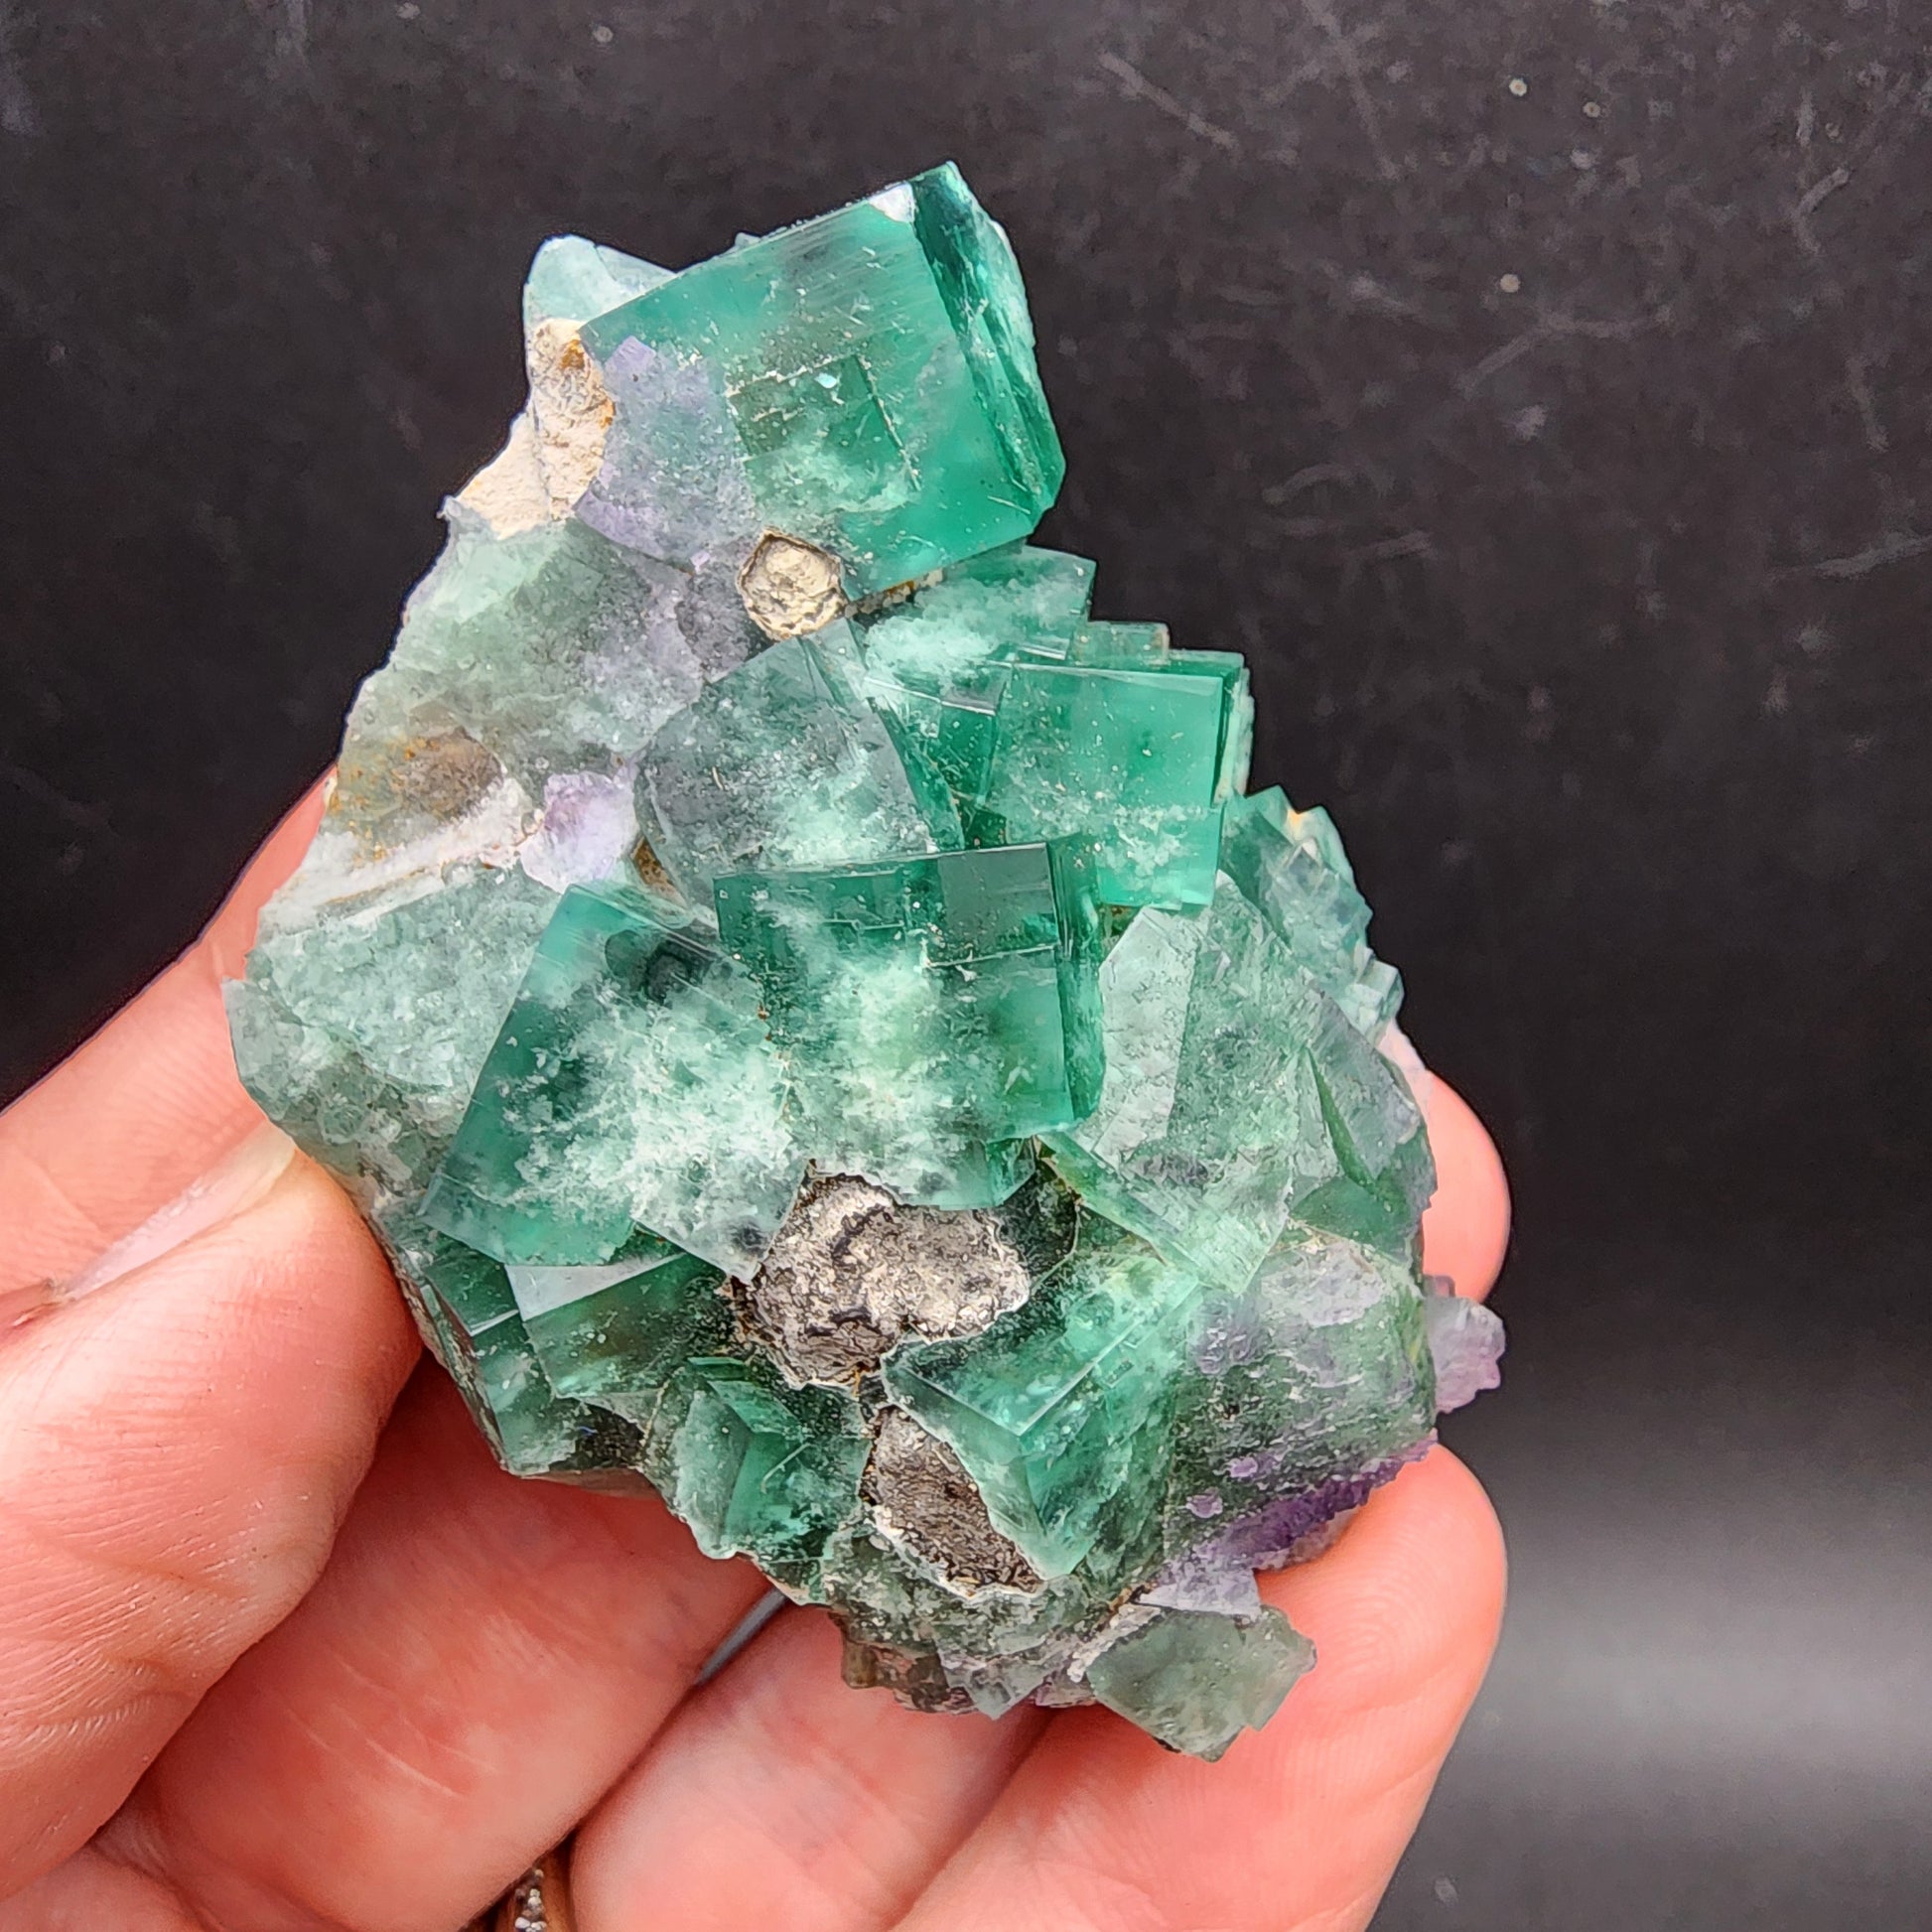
(1193, 1680)
(878, 365)
(931, 1014)
(1131, 755)
(777, 767)
(1045, 1411)
(632, 1085)
(821, 1027)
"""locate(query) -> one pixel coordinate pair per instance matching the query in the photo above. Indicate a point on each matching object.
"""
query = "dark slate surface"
(1542, 396)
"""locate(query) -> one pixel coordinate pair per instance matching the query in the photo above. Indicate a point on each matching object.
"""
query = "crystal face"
(822, 1029)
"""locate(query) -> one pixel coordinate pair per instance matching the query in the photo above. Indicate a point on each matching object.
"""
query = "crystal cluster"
(819, 1022)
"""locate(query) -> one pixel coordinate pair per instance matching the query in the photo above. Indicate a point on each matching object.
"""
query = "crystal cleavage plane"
(821, 1027)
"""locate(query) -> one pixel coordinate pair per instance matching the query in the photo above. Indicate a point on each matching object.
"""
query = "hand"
(283, 1650)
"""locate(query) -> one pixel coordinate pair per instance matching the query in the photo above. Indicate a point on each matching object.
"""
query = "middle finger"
(483, 1657)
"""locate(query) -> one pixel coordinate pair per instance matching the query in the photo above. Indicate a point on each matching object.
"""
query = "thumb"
(177, 1449)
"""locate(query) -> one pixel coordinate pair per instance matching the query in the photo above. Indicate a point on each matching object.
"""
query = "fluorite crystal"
(819, 1023)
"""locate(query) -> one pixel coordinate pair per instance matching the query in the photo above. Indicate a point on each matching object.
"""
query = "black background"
(1540, 394)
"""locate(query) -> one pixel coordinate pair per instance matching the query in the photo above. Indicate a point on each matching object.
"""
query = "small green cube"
(1132, 755)
(1045, 1409)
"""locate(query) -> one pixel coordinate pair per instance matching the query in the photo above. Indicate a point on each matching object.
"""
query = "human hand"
(283, 1650)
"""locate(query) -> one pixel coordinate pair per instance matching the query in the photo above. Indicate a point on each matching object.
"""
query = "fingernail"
(237, 1181)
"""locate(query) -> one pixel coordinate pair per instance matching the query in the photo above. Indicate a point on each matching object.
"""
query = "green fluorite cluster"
(822, 1027)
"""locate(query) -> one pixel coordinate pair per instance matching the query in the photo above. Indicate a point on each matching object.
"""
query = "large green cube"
(879, 367)
(631, 1086)
(927, 1011)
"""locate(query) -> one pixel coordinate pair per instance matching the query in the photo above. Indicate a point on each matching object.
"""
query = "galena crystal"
(822, 1029)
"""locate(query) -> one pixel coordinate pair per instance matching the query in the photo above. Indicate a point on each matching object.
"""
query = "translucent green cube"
(573, 278)
(1047, 1409)
(763, 1468)
(1237, 1099)
(631, 1086)
(1196, 1682)
(927, 1011)
(937, 664)
(878, 364)
(621, 1327)
(779, 764)
(1299, 879)
(1134, 756)
(464, 1303)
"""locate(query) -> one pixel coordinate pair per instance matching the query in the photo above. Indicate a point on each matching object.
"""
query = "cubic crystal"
(821, 1030)
(878, 365)
(931, 1013)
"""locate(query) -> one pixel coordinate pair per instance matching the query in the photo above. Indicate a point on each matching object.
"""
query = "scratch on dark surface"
(1815, 196)
(1615, 328)
(295, 28)
(1862, 563)
(1473, 379)
(52, 797)
(1323, 15)
(1308, 479)
(1140, 87)
(1411, 544)
(1826, 186)
(18, 114)
(1859, 388)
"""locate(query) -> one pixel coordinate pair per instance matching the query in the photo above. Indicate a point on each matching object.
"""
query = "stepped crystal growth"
(818, 1021)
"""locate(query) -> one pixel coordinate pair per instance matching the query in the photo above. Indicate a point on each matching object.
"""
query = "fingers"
(778, 1797)
(144, 1107)
(1465, 1228)
(175, 1453)
(1300, 1826)
(480, 1660)
(90, 1892)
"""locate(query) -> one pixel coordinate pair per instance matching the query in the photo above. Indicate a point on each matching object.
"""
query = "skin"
(284, 1650)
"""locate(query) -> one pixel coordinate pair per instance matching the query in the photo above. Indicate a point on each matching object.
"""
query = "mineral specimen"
(819, 1023)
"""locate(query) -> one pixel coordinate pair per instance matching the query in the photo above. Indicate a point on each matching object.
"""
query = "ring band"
(539, 1901)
